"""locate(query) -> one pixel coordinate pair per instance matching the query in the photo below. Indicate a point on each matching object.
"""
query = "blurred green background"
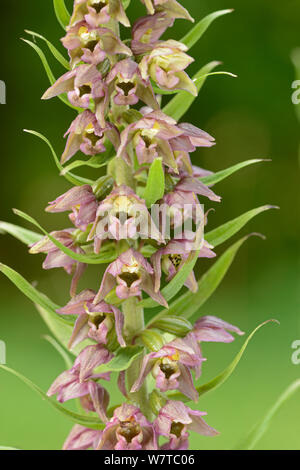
(251, 116)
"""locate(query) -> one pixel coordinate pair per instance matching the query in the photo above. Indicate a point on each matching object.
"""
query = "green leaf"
(106, 257)
(221, 175)
(48, 70)
(25, 236)
(31, 292)
(259, 430)
(58, 56)
(189, 303)
(193, 36)
(83, 420)
(224, 376)
(226, 231)
(155, 188)
(174, 286)
(122, 360)
(61, 351)
(62, 13)
(59, 326)
(180, 104)
(73, 179)
(97, 161)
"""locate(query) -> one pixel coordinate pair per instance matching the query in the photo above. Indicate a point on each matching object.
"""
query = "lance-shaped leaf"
(223, 174)
(61, 13)
(174, 286)
(180, 104)
(193, 36)
(122, 360)
(31, 292)
(48, 71)
(259, 430)
(59, 326)
(187, 304)
(224, 376)
(58, 56)
(97, 161)
(155, 188)
(224, 232)
(106, 257)
(25, 236)
(73, 179)
(83, 420)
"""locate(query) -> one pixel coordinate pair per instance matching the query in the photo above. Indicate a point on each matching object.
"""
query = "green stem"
(134, 324)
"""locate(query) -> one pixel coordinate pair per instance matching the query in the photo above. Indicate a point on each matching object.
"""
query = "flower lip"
(98, 5)
(169, 369)
(129, 429)
(176, 429)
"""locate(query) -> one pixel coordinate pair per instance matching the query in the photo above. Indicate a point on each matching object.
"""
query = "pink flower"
(79, 382)
(94, 321)
(147, 30)
(81, 438)
(98, 12)
(157, 135)
(130, 274)
(87, 135)
(172, 257)
(175, 420)
(123, 215)
(213, 329)
(82, 84)
(166, 64)
(126, 81)
(183, 202)
(151, 137)
(191, 138)
(128, 430)
(171, 367)
(171, 7)
(81, 201)
(92, 45)
(57, 258)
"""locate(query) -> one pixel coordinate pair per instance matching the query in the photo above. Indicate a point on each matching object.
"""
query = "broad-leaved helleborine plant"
(143, 215)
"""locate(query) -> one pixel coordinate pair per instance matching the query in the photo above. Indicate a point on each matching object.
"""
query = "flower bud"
(156, 401)
(102, 187)
(152, 340)
(174, 325)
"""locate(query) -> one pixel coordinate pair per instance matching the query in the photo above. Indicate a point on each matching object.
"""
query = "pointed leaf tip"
(260, 429)
(196, 33)
(62, 13)
(84, 420)
(223, 233)
(226, 374)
